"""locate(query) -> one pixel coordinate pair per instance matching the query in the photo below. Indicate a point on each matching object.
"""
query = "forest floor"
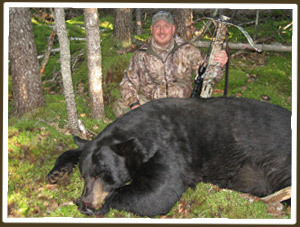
(37, 139)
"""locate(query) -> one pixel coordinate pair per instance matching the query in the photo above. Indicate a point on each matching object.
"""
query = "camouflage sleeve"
(130, 83)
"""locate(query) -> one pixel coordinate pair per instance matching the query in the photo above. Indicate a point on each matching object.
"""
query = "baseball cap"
(163, 15)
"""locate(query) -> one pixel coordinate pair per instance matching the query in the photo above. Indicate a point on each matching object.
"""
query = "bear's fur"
(145, 160)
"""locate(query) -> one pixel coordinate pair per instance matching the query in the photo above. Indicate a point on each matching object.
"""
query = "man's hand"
(221, 57)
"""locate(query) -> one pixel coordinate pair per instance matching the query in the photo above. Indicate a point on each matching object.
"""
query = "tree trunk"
(184, 22)
(138, 21)
(26, 78)
(60, 27)
(93, 48)
(123, 27)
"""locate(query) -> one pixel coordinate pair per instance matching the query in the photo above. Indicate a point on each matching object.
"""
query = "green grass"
(36, 139)
(252, 80)
(208, 201)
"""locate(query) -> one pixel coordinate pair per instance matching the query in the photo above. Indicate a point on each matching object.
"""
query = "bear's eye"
(107, 178)
(98, 174)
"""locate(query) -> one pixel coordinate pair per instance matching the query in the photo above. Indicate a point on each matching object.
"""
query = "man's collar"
(159, 48)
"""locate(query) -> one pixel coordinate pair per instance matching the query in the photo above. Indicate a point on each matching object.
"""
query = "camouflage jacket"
(158, 73)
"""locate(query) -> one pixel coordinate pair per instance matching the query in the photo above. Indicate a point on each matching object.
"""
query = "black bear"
(145, 160)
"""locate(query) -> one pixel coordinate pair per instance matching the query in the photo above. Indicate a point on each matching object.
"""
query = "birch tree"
(65, 58)
(93, 48)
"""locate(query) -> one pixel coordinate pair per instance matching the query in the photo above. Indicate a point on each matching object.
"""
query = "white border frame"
(293, 219)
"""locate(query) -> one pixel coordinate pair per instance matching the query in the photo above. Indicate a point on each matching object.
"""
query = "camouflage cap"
(163, 15)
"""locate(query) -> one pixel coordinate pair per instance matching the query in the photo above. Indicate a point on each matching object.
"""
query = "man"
(163, 68)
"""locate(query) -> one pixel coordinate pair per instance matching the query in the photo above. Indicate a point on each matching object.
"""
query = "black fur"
(145, 160)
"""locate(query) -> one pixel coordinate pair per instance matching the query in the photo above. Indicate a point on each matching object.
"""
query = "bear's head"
(107, 164)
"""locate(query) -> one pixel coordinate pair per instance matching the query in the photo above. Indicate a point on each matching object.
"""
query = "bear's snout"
(93, 194)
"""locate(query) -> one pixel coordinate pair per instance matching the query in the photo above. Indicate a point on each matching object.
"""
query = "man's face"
(162, 32)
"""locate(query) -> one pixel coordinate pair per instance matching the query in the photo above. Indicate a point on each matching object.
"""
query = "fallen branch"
(75, 59)
(55, 50)
(47, 51)
(54, 75)
(77, 39)
(273, 201)
(241, 46)
(279, 196)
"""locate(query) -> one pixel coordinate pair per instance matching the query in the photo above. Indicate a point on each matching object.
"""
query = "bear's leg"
(63, 166)
(261, 180)
(153, 191)
(141, 200)
(65, 163)
(251, 179)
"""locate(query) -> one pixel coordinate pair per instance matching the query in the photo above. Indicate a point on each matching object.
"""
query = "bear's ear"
(80, 142)
(124, 148)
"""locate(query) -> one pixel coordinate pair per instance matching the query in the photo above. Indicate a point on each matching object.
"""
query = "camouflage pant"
(120, 107)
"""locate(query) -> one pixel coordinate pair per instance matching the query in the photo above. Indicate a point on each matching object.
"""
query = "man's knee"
(120, 108)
